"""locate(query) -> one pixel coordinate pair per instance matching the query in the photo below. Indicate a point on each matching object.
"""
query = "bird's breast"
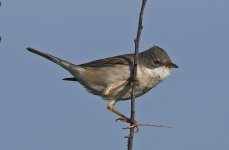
(149, 78)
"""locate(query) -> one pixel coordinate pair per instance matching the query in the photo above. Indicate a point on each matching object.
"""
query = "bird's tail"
(63, 63)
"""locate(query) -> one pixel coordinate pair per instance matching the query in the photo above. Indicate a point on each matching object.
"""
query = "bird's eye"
(156, 61)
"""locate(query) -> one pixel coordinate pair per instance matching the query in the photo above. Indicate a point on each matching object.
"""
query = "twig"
(151, 125)
(155, 125)
(134, 76)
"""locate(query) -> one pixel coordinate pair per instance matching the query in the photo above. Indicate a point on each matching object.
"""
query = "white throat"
(159, 73)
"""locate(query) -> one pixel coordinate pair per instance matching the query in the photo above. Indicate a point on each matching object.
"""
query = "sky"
(38, 110)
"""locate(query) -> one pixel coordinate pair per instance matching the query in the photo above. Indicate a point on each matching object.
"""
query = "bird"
(110, 78)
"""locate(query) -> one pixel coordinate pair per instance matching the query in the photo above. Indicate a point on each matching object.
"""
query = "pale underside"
(101, 80)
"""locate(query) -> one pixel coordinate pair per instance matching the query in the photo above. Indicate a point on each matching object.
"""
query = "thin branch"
(151, 125)
(155, 125)
(134, 76)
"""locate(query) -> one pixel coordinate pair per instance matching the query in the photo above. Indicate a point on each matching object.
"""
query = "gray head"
(156, 57)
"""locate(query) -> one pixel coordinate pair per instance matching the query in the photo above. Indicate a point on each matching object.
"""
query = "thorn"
(126, 137)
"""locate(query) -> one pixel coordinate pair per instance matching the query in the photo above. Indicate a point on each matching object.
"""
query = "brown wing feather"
(111, 61)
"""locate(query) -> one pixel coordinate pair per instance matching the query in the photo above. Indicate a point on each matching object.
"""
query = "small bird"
(111, 77)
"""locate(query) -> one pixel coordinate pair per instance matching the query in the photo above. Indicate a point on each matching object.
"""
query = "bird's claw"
(135, 125)
(127, 120)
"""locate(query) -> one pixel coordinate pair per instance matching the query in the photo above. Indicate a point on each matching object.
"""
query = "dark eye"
(156, 61)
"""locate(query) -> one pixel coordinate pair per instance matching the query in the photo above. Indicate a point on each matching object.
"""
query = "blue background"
(40, 111)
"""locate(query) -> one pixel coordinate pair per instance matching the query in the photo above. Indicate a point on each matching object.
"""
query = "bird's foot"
(134, 124)
(123, 119)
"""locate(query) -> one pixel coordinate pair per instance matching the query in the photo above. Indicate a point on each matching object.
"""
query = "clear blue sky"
(40, 111)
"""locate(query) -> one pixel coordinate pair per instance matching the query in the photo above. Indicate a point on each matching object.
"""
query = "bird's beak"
(172, 65)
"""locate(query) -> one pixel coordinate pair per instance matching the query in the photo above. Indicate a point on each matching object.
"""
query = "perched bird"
(110, 77)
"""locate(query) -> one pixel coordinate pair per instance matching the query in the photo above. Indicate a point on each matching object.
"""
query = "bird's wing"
(123, 60)
(126, 59)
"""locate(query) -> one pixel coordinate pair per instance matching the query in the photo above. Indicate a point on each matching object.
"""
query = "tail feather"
(65, 64)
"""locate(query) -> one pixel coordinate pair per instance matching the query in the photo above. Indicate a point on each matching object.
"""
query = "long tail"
(63, 63)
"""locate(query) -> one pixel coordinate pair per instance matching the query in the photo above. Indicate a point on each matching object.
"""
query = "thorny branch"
(134, 76)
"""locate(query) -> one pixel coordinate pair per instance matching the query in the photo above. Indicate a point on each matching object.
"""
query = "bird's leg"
(111, 108)
(110, 90)
(123, 118)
